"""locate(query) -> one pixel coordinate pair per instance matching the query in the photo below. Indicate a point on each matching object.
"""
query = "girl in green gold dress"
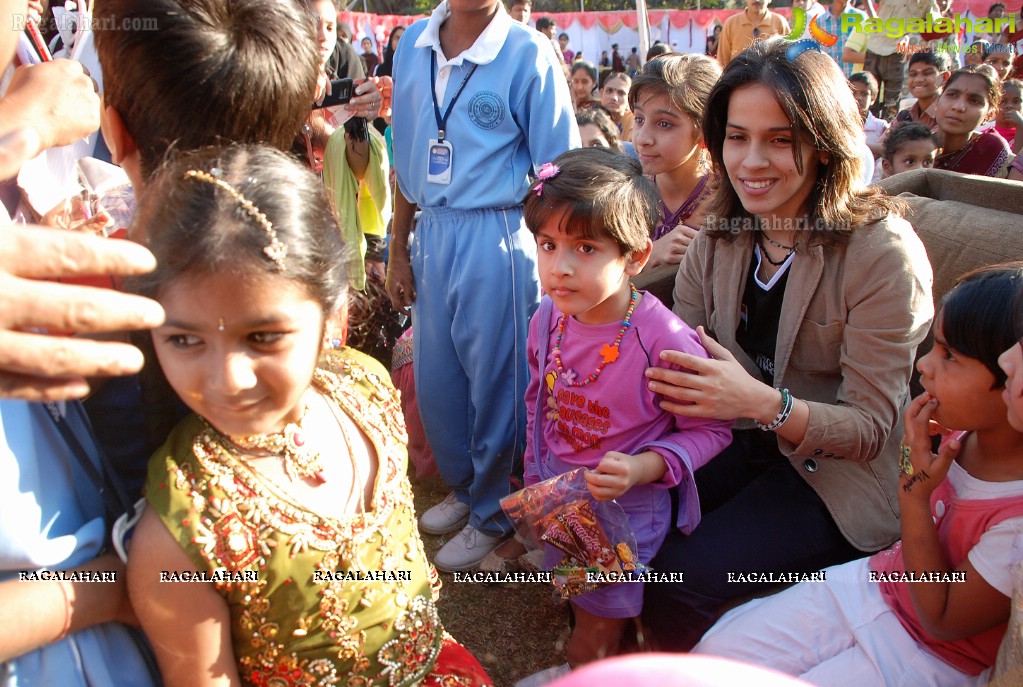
(279, 545)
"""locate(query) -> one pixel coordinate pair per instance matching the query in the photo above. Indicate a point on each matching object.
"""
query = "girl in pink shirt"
(587, 401)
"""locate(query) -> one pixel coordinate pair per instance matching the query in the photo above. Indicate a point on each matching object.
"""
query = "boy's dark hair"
(939, 60)
(995, 6)
(520, 2)
(193, 226)
(597, 116)
(977, 314)
(868, 79)
(544, 23)
(900, 136)
(600, 193)
(1014, 83)
(212, 71)
(656, 50)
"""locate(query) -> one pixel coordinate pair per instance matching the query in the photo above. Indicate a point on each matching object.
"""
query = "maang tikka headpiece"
(275, 250)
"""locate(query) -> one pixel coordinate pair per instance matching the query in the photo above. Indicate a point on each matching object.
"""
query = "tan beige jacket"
(850, 324)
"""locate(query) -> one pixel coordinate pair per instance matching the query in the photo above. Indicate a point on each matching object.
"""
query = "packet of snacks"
(591, 542)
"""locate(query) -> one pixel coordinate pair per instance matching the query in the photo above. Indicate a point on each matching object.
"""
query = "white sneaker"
(544, 677)
(447, 516)
(465, 550)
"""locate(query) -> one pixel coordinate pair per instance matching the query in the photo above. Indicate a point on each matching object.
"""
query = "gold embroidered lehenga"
(297, 621)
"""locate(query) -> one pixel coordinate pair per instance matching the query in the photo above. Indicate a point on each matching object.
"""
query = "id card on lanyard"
(441, 152)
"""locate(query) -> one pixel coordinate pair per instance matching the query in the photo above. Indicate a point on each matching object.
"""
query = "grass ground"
(513, 629)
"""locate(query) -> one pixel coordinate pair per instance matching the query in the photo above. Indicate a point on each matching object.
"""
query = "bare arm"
(357, 156)
(188, 625)
(947, 610)
(365, 103)
(850, 55)
(400, 283)
(33, 613)
(1016, 118)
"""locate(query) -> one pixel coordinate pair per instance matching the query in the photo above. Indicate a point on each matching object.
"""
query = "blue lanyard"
(443, 121)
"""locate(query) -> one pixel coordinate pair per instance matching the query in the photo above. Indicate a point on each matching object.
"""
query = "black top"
(344, 62)
(758, 322)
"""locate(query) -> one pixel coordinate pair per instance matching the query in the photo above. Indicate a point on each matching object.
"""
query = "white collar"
(483, 51)
(782, 269)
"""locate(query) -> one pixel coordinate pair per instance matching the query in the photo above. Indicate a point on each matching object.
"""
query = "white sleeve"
(998, 550)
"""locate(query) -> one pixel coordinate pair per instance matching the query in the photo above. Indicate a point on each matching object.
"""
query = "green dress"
(313, 600)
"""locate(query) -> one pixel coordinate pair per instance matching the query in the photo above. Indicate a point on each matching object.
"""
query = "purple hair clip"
(548, 170)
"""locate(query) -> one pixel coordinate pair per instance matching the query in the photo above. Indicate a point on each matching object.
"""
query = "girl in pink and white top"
(932, 609)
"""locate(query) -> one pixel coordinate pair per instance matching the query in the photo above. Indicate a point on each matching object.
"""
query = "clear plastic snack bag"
(594, 539)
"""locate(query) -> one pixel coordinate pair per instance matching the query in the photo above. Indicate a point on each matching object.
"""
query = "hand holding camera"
(361, 100)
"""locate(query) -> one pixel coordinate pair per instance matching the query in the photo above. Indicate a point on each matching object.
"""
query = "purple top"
(618, 412)
(668, 220)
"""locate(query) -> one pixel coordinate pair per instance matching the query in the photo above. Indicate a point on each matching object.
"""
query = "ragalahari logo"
(818, 36)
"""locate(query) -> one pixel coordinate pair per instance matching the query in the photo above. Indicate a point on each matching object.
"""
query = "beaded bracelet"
(783, 414)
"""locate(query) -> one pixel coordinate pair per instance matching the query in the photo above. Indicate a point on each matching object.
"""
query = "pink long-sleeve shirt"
(618, 412)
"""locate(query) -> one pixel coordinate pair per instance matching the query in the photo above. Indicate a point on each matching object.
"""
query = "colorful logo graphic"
(818, 36)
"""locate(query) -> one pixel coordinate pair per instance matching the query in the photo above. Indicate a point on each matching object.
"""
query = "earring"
(331, 343)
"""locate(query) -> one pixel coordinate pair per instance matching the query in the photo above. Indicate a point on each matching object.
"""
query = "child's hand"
(72, 214)
(671, 248)
(922, 470)
(1014, 117)
(612, 477)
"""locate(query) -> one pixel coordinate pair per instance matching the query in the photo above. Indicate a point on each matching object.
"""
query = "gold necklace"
(289, 444)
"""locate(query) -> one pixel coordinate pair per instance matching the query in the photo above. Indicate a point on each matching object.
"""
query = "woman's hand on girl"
(719, 388)
(928, 469)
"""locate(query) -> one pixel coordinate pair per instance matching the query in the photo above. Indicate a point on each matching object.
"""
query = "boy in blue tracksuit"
(480, 101)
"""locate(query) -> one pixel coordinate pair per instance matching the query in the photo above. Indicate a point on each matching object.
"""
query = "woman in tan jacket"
(812, 295)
